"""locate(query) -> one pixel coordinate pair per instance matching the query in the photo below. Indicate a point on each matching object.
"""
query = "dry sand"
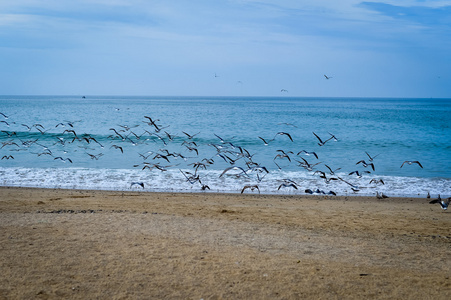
(61, 244)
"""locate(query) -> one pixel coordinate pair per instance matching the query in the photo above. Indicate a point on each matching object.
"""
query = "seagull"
(233, 168)
(332, 172)
(288, 124)
(288, 185)
(283, 155)
(283, 133)
(412, 162)
(251, 187)
(189, 135)
(5, 116)
(264, 141)
(63, 160)
(283, 91)
(381, 195)
(358, 173)
(137, 183)
(365, 164)
(308, 153)
(327, 77)
(371, 157)
(321, 143)
(117, 147)
(376, 181)
(443, 203)
(306, 164)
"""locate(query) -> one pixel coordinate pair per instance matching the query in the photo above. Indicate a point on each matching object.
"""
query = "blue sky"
(226, 48)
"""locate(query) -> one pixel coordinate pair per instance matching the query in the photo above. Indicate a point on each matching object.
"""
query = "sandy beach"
(60, 244)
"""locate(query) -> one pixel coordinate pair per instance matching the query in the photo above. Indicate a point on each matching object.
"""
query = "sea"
(251, 145)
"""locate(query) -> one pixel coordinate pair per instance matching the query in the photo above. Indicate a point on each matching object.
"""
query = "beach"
(83, 244)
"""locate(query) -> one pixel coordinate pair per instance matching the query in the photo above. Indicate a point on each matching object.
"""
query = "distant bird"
(288, 124)
(306, 165)
(251, 187)
(5, 116)
(190, 136)
(358, 173)
(8, 157)
(283, 91)
(281, 156)
(233, 168)
(365, 164)
(216, 75)
(321, 143)
(220, 138)
(141, 184)
(283, 133)
(264, 141)
(376, 181)
(381, 195)
(308, 153)
(285, 185)
(117, 147)
(443, 202)
(371, 157)
(204, 187)
(412, 162)
(96, 157)
(327, 77)
(63, 160)
(332, 172)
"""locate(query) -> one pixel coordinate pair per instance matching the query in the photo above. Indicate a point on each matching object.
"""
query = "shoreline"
(238, 193)
(59, 243)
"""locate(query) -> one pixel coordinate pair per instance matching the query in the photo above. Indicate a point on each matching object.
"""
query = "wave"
(175, 180)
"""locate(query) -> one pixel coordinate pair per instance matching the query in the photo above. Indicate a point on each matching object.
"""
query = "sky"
(282, 48)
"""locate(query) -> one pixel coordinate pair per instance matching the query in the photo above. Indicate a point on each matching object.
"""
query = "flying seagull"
(443, 202)
(251, 187)
(412, 162)
(137, 183)
(264, 141)
(283, 133)
(327, 77)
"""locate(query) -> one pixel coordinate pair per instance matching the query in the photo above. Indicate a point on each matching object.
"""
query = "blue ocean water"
(185, 143)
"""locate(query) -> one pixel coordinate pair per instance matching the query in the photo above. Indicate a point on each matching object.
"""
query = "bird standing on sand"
(381, 195)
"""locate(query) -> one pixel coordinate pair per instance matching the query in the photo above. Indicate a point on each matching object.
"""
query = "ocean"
(271, 145)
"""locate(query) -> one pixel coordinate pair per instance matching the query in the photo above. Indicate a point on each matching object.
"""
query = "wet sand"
(59, 244)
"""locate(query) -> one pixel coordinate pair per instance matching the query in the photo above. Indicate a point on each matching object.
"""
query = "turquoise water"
(395, 130)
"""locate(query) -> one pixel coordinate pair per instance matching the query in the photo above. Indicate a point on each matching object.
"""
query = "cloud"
(424, 15)
(105, 42)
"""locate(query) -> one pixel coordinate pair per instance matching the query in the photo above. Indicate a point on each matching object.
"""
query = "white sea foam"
(232, 182)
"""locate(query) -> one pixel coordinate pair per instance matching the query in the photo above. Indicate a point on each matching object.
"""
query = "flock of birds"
(55, 143)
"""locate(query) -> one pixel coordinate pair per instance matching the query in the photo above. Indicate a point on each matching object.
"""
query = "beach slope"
(57, 244)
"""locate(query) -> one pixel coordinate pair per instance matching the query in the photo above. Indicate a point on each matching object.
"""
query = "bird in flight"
(283, 133)
(443, 202)
(251, 187)
(327, 77)
(137, 183)
(412, 162)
